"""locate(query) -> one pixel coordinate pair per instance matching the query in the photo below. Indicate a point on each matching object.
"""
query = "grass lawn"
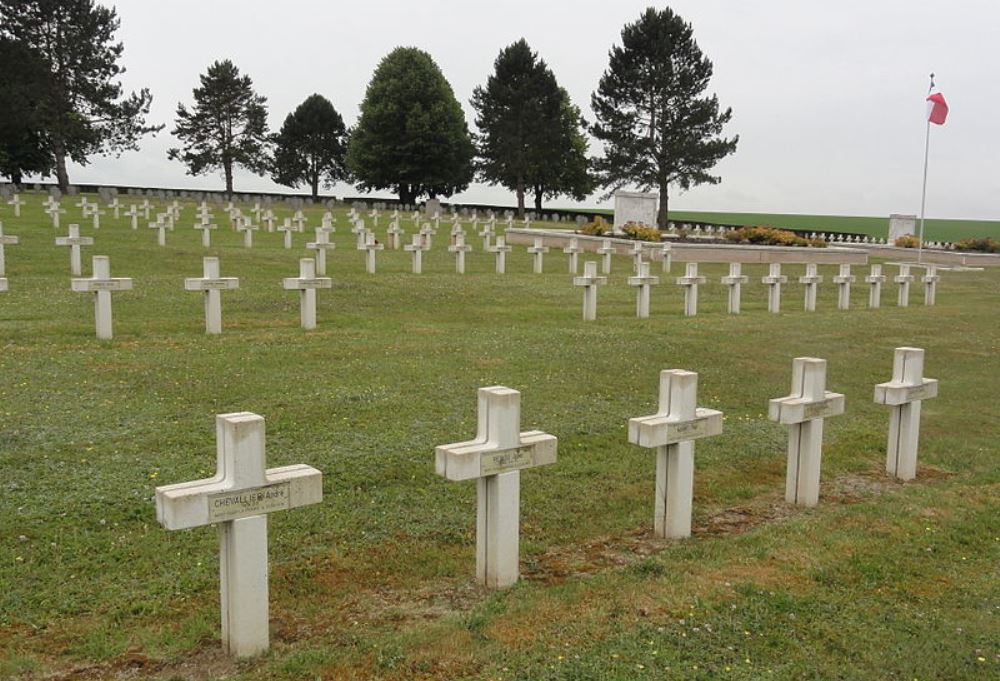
(934, 229)
(881, 581)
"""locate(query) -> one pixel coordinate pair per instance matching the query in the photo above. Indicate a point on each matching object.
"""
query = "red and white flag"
(937, 108)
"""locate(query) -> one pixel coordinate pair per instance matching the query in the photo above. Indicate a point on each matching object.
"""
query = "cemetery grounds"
(881, 580)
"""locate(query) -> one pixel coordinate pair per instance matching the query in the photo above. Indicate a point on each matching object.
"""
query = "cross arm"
(204, 502)
(894, 394)
(659, 429)
(477, 458)
(202, 284)
(793, 409)
(113, 284)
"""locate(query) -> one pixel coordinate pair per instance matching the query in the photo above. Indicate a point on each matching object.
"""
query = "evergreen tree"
(311, 146)
(529, 132)
(23, 81)
(657, 127)
(226, 128)
(84, 110)
(561, 165)
(411, 137)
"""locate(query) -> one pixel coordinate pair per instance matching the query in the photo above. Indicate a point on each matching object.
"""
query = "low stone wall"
(693, 252)
(931, 255)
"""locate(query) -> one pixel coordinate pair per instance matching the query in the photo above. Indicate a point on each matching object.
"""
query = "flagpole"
(923, 193)
(923, 196)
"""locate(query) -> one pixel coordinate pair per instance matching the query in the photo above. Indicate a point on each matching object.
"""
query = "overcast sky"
(827, 97)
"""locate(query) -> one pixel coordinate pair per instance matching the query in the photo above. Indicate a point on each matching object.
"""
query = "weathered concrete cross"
(905, 393)
(237, 500)
(495, 459)
(212, 284)
(804, 411)
(672, 431)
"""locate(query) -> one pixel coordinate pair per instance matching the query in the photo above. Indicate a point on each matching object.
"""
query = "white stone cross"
(667, 257)
(17, 202)
(3, 284)
(212, 284)
(495, 459)
(287, 228)
(5, 240)
(370, 247)
(457, 229)
(606, 251)
(307, 282)
(161, 234)
(904, 278)
(804, 411)
(145, 207)
(636, 254)
(538, 251)
(299, 220)
(394, 232)
(811, 280)
(487, 234)
(417, 248)
(875, 281)
(54, 211)
(206, 233)
(84, 205)
(904, 393)
(426, 234)
(74, 241)
(642, 281)
(115, 207)
(460, 248)
(500, 249)
(590, 281)
(843, 282)
(96, 213)
(573, 251)
(672, 430)
(321, 245)
(101, 284)
(237, 499)
(930, 280)
(735, 282)
(248, 228)
(133, 215)
(690, 281)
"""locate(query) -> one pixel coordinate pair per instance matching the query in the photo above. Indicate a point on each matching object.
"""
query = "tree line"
(61, 98)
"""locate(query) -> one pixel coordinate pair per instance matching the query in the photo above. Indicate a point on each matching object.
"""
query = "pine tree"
(311, 146)
(529, 132)
(561, 165)
(226, 128)
(411, 136)
(23, 82)
(84, 110)
(657, 127)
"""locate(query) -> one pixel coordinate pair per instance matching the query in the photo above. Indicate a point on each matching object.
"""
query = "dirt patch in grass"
(202, 665)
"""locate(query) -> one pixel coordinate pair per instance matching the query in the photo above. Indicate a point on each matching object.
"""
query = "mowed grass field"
(882, 581)
(935, 229)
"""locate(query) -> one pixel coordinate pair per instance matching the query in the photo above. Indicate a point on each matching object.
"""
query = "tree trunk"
(661, 214)
(405, 194)
(227, 166)
(62, 176)
(314, 184)
(520, 199)
(16, 177)
(539, 193)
